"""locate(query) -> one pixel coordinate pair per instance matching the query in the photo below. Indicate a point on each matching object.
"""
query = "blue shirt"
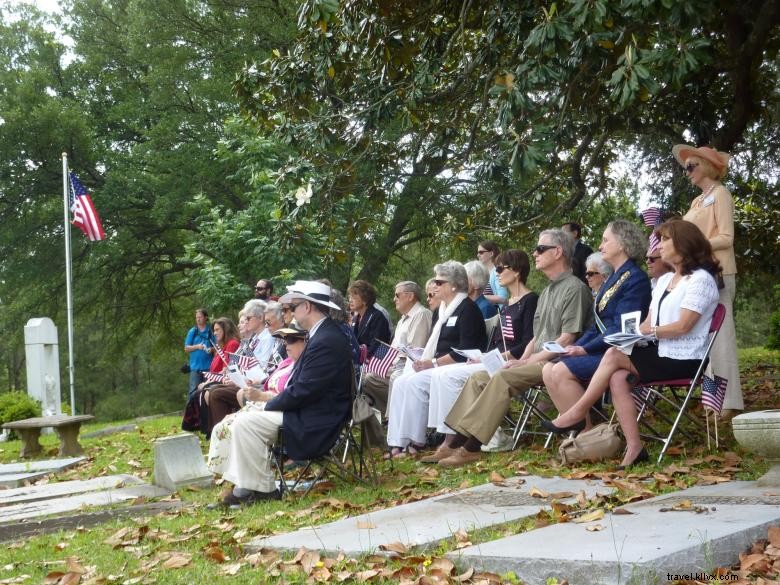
(488, 309)
(199, 359)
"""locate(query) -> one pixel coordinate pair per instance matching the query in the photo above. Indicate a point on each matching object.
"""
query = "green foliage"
(773, 340)
(17, 406)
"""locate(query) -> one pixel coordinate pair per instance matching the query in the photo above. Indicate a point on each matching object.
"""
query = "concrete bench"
(67, 428)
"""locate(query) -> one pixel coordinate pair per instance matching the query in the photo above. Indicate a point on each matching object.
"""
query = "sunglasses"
(261, 288)
(542, 248)
(500, 268)
(430, 296)
(590, 274)
(293, 307)
(690, 167)
(292, 340)
(440, 282)
(651, 259)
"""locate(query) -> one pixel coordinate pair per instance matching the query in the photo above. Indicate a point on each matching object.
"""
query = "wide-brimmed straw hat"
(309, 290)
(290, 332)
(719, 160)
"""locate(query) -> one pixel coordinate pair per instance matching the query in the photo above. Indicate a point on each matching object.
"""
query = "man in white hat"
(311, 410)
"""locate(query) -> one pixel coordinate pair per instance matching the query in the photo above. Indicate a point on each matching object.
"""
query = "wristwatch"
(435, 363)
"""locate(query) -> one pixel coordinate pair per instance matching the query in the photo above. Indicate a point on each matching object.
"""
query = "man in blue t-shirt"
(199, 343)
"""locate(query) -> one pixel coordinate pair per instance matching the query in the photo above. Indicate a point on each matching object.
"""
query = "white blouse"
(696, 292)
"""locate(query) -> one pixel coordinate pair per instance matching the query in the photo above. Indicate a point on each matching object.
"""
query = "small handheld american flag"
(379, 364)
(713, 392)
(506, 325)
(244, 362)
(642, 395)
(212, 377)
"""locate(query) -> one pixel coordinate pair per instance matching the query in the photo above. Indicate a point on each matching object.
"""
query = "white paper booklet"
(553, 346)
(472, 354)
(630, 335)
(493, 361)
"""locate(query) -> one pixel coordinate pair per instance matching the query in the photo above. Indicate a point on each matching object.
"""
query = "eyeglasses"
(261, 288)
(480, 252)
(690, 167)
(500, 268)
(542, 248)
(440, 282)
(590, 274)
(430, 296)
(293, 307)
(651, 259)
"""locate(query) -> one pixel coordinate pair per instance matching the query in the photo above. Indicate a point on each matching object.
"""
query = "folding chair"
(653, 390)
(490, 328)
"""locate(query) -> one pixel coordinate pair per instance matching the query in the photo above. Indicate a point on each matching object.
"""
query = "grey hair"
(630, 237)
(602, 266)
(275, 308)
(478, 274)
(255, 308)
(412, 287)
(454, 272)
(562, 239)
(341, 314)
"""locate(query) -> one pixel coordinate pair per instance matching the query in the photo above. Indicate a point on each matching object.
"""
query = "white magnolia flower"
(303, 195)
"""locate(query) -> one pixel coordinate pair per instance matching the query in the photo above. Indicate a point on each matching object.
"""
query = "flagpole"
(68, 278)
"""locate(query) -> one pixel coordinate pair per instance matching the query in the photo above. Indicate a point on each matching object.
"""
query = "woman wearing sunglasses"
(713, 213)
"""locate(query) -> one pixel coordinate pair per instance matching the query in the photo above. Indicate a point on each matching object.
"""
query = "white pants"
(239, 448)
(407, 411)
(446, 384)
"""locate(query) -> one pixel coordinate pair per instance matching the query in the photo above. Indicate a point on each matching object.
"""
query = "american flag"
(379, 364)
(506, 325)
(212, 377)
(244, 362)
(642, 395)
(651, 216)
(221, 355)
(713, 393)
(85, 216)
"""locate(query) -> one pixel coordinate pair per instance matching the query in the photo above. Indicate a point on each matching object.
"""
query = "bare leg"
(206, 397)
(566, 388)
(626, 413)
(612, 361)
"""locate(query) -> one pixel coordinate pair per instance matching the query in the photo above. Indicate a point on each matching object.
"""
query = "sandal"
(414, 450)
(392, 453)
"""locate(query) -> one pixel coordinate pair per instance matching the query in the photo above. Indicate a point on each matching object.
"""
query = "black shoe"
(641, 458)
(250, 498)
(553, 428)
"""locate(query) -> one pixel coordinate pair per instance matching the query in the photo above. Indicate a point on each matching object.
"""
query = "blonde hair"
(707, 167)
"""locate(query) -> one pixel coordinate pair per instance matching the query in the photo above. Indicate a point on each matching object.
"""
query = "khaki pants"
(484, 401)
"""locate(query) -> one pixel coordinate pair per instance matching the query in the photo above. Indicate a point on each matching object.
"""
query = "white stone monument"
(43, 364)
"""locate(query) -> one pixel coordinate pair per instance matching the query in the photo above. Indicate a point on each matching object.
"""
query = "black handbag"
(185, 369)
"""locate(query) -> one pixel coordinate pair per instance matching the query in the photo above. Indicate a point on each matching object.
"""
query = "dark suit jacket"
(467, 331)
(373, 326)
(624, 294)
(317, 399)
(581, 253)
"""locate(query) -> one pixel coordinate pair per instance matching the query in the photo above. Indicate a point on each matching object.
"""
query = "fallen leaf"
(773, 535)
(178, 560)
(215, 554)
(365, 524)
(396, 547)
(597, 514)
(72, 566)
(535, 492)
(594, 528)
(621, 512)
(230, 570)
(497, 479)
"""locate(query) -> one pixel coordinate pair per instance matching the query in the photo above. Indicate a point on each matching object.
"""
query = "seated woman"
(222, 399)
(679, 321)
(227, 341)
(219, 449)
(626, 290)
(478, 280)
(459, 325)
(511, 337)
(597, 271)
(368, 323)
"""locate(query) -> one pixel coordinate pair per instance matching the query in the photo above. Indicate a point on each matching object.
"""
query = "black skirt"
(652, 367)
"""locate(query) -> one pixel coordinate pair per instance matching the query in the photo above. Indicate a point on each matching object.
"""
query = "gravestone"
(41, 352)
(178, 462)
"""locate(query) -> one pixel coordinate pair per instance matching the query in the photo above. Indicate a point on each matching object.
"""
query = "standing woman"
(713, 213)
(198, 343)
(487, 253)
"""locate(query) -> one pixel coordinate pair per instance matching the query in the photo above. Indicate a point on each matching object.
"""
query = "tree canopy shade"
(504, 114)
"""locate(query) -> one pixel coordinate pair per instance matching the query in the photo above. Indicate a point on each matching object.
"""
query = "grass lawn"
(195, 544)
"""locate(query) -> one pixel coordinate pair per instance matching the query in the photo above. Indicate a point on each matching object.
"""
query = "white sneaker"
(499, 442)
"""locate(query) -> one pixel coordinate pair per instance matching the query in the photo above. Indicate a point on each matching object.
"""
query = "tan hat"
(290, 332)
(719, 160)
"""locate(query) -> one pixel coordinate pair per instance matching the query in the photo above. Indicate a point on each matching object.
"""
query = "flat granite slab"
(701, 528)
(66, 501)
(66, 488)
(16, 474)
(431, 520)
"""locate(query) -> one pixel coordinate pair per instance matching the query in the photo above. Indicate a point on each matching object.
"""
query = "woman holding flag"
(511, 336)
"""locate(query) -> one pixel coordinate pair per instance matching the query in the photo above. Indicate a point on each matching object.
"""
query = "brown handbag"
(601, 442)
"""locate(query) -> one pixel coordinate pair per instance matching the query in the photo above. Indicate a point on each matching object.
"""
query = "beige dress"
(713, 213)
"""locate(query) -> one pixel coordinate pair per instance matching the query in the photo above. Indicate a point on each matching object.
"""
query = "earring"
(454, 289)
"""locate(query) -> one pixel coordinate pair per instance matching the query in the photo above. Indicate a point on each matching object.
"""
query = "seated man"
(316, 402)
(563, 312)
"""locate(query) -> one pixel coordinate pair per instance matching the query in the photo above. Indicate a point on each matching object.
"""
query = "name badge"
(451, 321)
(709, 200)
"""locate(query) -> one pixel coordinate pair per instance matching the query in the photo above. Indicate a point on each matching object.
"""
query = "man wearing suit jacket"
(311, 410)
